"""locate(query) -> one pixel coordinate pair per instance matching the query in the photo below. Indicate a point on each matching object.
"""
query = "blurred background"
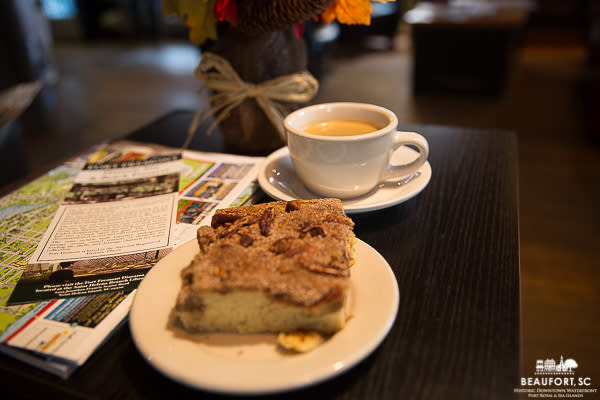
(530, 67)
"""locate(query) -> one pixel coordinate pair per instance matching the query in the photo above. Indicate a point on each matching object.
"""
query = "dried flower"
(226, 10)
(350, 12)
(201, 16)
(198, 15)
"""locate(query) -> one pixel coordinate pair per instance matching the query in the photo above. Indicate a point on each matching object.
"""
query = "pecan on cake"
(274, 267)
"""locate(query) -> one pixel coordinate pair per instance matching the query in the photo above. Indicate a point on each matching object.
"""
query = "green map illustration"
(24, 216)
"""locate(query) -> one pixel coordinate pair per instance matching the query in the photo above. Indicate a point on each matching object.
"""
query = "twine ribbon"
(218, 74)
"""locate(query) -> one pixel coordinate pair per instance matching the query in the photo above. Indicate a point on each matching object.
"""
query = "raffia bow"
(218, 74)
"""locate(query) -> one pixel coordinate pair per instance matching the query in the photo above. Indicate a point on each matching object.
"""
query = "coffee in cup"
(340, 127)
(344, 149)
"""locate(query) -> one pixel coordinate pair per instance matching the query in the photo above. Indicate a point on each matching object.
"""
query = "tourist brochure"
(79, 239)
(113, 225)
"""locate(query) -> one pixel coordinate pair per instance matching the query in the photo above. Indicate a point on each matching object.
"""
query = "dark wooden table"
(455, 252)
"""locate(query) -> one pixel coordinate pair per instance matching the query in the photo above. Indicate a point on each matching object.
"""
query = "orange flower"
(351, 12)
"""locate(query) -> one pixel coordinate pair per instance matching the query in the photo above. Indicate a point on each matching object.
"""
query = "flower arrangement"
(256, 67)
(201, 16)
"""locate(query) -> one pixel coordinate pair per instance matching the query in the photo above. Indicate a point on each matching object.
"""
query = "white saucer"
(278, 179)
(251, 364)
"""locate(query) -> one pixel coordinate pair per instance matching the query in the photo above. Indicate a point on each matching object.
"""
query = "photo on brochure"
(45, 281)
(193, 211)
(192, 171)
(214, 189)
(233, 171)
(87, 193)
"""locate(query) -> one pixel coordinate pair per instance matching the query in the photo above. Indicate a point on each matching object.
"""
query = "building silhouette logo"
(550, 367)
(552, 379)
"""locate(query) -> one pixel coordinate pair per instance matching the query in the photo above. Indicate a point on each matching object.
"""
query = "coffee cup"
(344, 149)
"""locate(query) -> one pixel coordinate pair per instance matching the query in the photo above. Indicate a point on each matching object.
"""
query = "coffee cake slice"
(273, 267)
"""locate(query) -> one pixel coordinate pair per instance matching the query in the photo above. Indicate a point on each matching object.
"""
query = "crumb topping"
(298, 251)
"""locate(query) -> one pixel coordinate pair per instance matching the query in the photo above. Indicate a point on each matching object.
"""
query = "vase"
(257, 58)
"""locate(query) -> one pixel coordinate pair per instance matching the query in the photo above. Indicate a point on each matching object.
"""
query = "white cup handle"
(402, 139)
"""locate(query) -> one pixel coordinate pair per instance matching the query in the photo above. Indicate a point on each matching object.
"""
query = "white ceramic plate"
(278, 179)
(251, 364)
